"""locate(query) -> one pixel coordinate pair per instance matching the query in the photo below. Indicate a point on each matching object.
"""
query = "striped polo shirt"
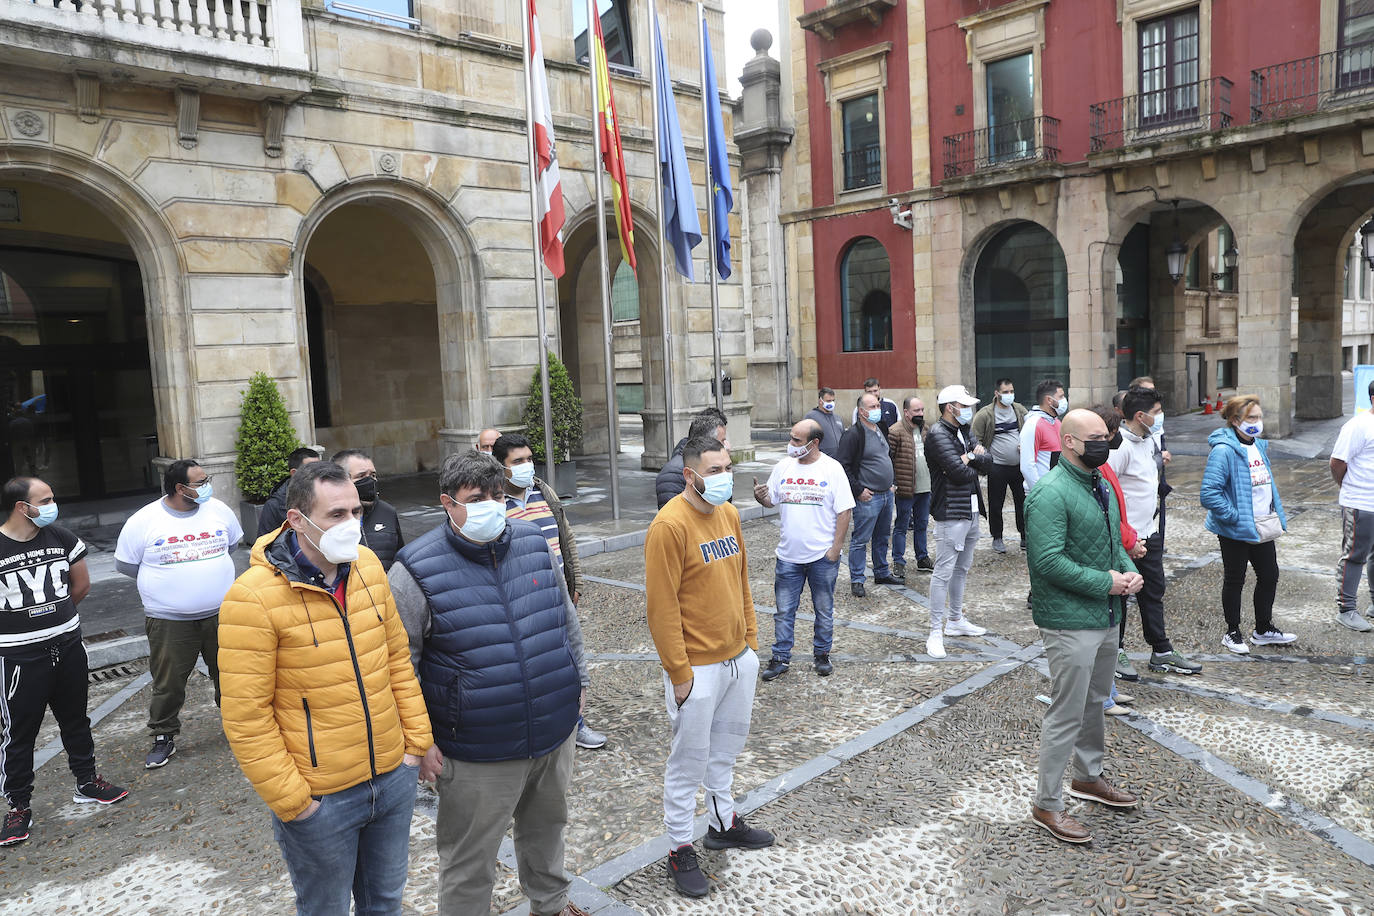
(534, 508)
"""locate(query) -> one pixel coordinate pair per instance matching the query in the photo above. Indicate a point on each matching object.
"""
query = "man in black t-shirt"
(43, 576)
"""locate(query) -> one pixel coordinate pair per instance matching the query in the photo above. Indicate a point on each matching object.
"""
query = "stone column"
(1265, 317)
(1321, 248)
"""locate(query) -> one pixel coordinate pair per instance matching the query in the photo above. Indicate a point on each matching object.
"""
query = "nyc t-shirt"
(809, 498)
(184, 567)
(35, 587)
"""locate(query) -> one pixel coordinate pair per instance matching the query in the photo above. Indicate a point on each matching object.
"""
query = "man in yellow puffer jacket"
(320, 702)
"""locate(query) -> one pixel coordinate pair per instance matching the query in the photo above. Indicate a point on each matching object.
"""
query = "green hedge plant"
(266, 439)
(566, 408)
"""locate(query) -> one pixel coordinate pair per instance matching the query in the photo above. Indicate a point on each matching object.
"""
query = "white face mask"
(798, 451)
(340, 543)
(1062, 407)
(1008, 399)
(1252, 430)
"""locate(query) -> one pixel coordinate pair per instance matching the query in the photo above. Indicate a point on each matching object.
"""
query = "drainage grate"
(112, 673)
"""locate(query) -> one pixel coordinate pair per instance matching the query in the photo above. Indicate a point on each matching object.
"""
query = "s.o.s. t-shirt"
(35, 587)
(184, 567)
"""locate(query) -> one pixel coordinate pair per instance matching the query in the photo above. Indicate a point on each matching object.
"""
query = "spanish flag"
(612, 153)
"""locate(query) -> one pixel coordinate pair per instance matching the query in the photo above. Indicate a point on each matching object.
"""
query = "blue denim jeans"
(356, 844)
(787, 588)
(911, 508)
(872, 522)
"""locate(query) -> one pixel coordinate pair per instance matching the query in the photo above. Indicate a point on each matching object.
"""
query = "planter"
(565, 479)
(249, 513)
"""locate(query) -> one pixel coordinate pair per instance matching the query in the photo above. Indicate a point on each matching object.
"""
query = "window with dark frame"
(615, 28)
(861, 125)
(1169, 69)
(1355, 44)
(866, 297)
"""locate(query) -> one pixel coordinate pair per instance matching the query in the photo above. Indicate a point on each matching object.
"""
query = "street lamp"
(1229, 259)
(1367, 241)
(1177, 256)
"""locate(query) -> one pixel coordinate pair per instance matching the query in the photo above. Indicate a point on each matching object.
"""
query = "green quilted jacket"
(1072, 545)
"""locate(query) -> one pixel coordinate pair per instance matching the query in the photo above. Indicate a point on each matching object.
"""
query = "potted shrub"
(566, 409)
(266, 439)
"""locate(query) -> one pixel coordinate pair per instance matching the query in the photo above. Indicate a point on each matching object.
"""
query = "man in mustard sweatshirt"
(702, 620)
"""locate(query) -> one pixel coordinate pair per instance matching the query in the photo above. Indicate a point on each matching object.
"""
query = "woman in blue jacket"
(1241, 499)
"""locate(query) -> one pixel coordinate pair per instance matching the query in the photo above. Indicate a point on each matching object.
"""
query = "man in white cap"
(955, 460)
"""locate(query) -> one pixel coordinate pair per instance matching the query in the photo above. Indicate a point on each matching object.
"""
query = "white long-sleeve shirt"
(1137, 469)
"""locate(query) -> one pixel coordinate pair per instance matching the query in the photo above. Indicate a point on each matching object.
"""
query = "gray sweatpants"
(709, 731)
(1082, 664)
(1357, 549)
(477, 802)
(954, 545)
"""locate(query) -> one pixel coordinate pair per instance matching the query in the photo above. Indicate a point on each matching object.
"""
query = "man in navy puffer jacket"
(496, 643)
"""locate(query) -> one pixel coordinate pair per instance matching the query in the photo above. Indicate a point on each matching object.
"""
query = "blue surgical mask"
(1157, 424)
(522, 475)
(965, 416)
(875, 415)
(719, 487)
(828, 405)
(204, 492)
(1062, 407)
(1008, 399)
(486, 520)
(46, 514)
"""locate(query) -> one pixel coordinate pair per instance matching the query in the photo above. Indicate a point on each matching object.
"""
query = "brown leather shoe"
(1061, 825)
(1102, 791)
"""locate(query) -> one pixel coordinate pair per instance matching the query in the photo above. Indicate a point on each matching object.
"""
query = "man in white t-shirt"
(811, 491)
(1352, 467)
(177, 548)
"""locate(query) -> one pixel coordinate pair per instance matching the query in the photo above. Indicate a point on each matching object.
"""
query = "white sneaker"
(1234, 642)
(1124, 699)
(963, 627)
(1354, 621)
(1116, 710)
(1272, 637)
(935, 645)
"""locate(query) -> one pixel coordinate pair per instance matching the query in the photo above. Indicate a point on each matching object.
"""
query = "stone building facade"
(191, 192)
(1080, 207)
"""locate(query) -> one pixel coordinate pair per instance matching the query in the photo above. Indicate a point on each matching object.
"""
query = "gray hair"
(472, 469)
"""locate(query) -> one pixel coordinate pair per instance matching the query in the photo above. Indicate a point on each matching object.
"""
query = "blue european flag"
(681, 226)
(722, 197)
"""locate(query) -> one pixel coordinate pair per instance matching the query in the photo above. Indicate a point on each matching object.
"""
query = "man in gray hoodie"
(832, 427)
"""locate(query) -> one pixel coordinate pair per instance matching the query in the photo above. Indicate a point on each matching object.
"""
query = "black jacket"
(273, 511)
(953, 483)
(382, 532)
(850, 454)
(669, 481)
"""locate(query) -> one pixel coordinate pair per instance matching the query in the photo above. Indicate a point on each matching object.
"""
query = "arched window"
(866, 297)
(1021, 309)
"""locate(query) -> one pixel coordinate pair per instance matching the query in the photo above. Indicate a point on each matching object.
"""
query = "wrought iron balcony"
(863, 167)
(1188, 108)
(1312, 84)
(1002, 145)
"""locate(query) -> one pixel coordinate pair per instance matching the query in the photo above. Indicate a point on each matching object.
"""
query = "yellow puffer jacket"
(315, 700)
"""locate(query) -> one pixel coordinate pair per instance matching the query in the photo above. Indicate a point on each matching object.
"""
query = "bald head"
(486, 439)
(1078, 427)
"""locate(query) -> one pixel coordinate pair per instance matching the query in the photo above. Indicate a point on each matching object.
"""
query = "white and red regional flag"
(550, 188)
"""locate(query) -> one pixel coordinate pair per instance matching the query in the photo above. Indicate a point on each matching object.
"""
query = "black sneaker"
(857, 589)
(823, 666)
(888, 580)
(925, 563)
(739, 836)
(17, 824)
(776, 666)
(99, 791)
(687, 876)
(163, 748)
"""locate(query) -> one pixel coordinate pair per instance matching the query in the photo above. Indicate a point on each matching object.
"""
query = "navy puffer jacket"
(497, 670)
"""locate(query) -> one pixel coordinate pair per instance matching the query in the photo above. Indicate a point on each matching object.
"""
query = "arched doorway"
(1021, 309)
(373, 334)
(76, 377)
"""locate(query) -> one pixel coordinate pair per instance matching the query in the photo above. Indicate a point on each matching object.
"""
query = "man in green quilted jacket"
(1079, 574)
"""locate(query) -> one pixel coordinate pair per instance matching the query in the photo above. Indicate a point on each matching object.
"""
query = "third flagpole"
(656, 36)
(717, 382)
(599, 105)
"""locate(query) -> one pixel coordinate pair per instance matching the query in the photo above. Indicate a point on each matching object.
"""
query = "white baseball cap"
(957, 393)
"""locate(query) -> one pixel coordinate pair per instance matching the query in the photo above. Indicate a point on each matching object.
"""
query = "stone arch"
(163, 273)
(458, 280)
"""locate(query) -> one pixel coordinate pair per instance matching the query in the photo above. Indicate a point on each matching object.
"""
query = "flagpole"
(656, 36)
(541, 320)
(603, 260)
(717, 384)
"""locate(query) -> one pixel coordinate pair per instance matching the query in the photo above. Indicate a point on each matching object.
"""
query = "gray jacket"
(832, 428)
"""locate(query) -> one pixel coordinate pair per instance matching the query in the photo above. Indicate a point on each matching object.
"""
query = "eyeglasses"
(197, 484)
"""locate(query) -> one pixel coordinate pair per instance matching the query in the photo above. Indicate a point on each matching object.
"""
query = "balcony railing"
(255, 32)
(1312, 84)
(1188, 108)
(863, 167)
(1014, 143)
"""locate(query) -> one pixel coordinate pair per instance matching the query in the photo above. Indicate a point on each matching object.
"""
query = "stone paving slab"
(933, 824)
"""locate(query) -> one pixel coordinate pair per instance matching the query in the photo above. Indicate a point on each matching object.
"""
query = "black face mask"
(367, 489)
(1095, 453)
(1115, 441)
(919, 422)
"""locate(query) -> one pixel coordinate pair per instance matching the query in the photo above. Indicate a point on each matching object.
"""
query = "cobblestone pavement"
(899, 785)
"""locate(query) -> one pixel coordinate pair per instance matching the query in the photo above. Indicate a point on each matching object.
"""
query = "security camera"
(900, 217)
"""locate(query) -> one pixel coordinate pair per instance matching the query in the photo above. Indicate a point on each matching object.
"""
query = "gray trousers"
(954, 545)
(1357, 549)
(476, 804)
(1082, 664)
